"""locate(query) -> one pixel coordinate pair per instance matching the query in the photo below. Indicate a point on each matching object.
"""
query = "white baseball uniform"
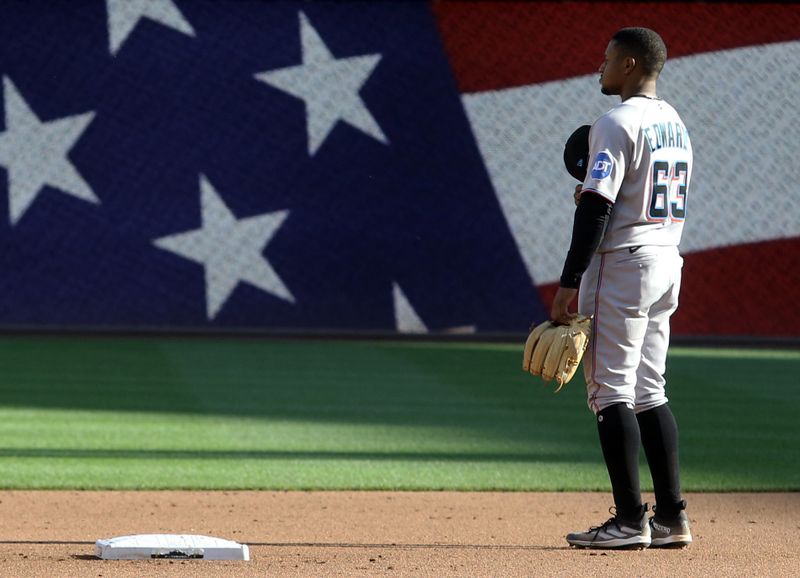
(641, 160)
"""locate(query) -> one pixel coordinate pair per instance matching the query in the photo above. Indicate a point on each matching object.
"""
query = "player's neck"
(645, 87)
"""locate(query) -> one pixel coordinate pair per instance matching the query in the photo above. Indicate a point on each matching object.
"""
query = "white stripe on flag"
(739, 106)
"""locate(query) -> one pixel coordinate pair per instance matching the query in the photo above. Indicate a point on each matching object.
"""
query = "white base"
(176, 546)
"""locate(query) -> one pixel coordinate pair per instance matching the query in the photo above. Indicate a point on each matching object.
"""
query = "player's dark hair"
(645, 45)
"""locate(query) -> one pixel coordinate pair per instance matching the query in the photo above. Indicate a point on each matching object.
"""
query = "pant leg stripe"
(596, 318)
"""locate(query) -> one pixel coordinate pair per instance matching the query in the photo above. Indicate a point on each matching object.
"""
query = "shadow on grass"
(322, 381)
(288, 455)
(733, 421)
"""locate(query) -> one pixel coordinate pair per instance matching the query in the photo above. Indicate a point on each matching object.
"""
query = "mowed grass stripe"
(265, 414)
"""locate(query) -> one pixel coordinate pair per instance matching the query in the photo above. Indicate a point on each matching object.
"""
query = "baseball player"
(624, 257)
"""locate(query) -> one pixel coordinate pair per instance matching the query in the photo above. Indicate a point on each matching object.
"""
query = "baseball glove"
(555, 351)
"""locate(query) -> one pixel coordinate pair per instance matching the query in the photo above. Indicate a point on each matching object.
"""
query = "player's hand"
(577, 194)
(559, 313)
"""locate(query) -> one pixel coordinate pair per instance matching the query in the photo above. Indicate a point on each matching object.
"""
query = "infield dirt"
(49, 533)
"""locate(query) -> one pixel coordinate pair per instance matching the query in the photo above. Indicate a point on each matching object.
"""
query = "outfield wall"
(369, 167)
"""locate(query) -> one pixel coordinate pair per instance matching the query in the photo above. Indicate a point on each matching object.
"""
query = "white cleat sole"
(621, 544)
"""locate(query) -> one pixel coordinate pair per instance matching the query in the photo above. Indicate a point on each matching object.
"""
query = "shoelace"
(612, 520)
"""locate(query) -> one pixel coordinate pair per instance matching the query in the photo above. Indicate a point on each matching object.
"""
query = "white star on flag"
(230, 249)
(406, 318)
(35, 153)
(124, 15)
(329, 87)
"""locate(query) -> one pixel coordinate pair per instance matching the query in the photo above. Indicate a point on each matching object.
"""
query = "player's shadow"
(341, 545)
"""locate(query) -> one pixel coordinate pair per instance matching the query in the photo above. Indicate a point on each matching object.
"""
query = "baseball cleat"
(673, 533)
(615, 533)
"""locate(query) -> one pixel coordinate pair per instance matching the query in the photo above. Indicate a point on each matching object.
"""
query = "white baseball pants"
(631, 296)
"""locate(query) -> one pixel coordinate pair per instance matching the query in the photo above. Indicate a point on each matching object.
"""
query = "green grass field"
(147, 413)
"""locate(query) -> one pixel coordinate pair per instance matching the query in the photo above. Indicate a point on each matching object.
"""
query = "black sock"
(660, 440)
(619, 438)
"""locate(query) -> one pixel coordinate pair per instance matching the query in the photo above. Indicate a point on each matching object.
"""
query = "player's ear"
(629, 64)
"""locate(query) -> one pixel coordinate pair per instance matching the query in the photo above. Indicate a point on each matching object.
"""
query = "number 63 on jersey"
(669, 189)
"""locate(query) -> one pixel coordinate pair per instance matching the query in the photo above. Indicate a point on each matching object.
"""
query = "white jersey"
(641, 160)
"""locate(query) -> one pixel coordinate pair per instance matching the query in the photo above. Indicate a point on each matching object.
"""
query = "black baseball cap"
(576, 152)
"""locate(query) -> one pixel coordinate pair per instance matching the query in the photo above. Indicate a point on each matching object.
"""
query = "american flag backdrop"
(367, 166)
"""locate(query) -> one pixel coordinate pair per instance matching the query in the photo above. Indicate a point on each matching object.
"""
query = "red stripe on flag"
(741, 290)
(735, 291)
(495, 45)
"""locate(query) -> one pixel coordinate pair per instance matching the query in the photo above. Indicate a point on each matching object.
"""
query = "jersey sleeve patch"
(603, 163)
